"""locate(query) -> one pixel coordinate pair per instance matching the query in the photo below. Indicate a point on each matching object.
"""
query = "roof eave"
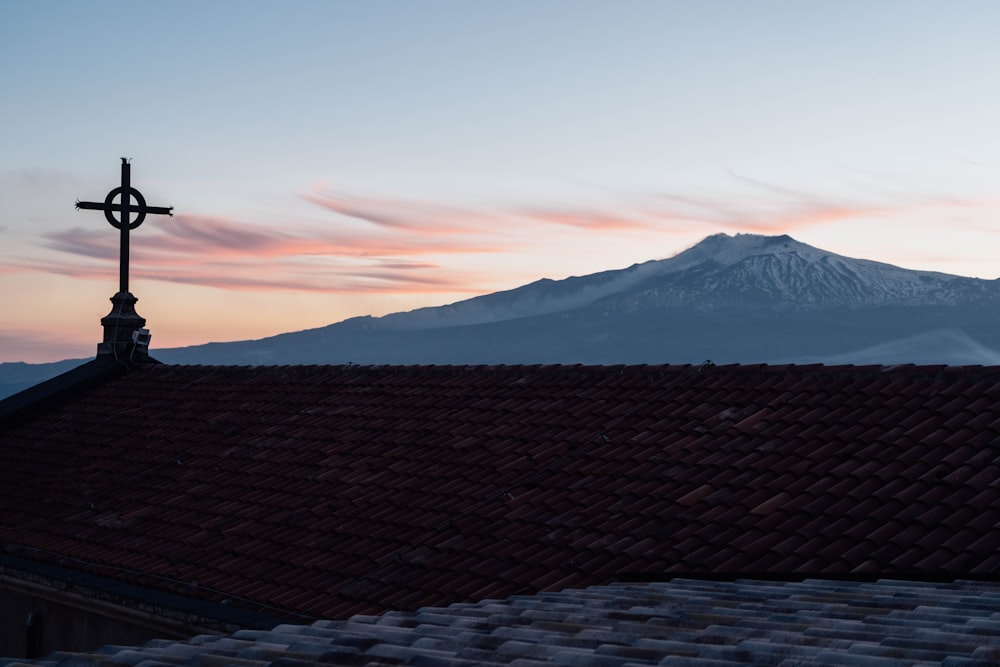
(62, 387)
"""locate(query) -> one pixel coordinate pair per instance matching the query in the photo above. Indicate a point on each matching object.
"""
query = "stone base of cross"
(120, 329)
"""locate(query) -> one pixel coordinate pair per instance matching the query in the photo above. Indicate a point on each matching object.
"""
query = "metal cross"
(125, 207)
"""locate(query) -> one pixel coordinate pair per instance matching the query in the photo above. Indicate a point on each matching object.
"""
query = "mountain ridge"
(734, 299)
(785, 273)
(666, 310)
(738, 263)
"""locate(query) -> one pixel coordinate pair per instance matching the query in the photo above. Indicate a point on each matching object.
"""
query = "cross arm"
(101, 206)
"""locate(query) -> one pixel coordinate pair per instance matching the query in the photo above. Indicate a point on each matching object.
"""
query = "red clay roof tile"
(421, 485)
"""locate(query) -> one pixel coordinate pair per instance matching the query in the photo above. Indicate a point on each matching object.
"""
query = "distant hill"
(731, 299)
(16, 376)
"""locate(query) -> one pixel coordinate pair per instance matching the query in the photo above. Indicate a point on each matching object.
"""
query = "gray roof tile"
(691, 622)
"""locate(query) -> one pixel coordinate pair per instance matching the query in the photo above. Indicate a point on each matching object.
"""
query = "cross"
(125, 207)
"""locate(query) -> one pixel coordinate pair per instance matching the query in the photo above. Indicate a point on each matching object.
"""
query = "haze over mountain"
(730, 299)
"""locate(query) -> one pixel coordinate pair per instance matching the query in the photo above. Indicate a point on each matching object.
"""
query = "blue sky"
(330, 159)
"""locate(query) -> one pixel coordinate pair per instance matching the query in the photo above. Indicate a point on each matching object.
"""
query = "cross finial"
(121, 325)
(125, 193)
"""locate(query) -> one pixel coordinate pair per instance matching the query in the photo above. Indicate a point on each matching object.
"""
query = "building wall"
(69, 621)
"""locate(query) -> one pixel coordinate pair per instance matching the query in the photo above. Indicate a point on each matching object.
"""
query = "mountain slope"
(732, 299)
(744, 298)
(779, 272)
(16, 376)
(720, 272)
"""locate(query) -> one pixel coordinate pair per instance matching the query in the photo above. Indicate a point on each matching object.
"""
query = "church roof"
(323, 492)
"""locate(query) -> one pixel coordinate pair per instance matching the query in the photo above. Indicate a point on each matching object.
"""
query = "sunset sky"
(330, 159)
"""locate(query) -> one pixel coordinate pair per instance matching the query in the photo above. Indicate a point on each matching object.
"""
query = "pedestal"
(120, 326)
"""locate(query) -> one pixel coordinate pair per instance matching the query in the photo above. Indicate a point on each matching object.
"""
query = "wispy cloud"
(39, 346)
(86, 242)
(387, 245)
(409, 216)
(374, 277)
(768, 208)
(772, 208)
(216, 236)
(763, 219)
(335, 281)
(590, 219)
(230, 254)
(195, 235)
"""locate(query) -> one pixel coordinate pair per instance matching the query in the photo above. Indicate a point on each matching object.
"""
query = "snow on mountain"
(721, 271)
(538, 298)
(777, 271)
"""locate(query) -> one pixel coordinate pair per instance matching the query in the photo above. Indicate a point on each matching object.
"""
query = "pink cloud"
(773, 217)
(788, 209)
(191, 234)
(87, 242)
(229, 254)
(40, 346)
(387, 278)
(434, 219)
(411, 216)
(331, 282)
(587, 219)
(188, 238)
(401, 244)
(214, 236)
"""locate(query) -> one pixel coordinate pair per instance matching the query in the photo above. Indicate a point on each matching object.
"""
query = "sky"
(330, 159)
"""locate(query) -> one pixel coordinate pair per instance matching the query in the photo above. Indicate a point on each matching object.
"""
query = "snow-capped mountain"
(778, 271)
(722, 271)
(732, 299)
(744, 298)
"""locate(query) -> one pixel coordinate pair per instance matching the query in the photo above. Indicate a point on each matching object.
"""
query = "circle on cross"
(125, 207)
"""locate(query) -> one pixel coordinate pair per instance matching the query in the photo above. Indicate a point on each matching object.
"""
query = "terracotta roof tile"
(280, 484)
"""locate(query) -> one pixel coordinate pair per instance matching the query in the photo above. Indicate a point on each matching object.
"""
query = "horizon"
(331, 160)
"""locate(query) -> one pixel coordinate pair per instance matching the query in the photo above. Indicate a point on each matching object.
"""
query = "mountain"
(744, 298)
(731, 299)
(17, 376)
(781, 273)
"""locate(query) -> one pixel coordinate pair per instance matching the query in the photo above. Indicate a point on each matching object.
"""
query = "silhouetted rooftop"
(322, 492)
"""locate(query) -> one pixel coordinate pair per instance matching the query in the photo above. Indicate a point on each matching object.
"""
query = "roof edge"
(143, 603)
(66, 385)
